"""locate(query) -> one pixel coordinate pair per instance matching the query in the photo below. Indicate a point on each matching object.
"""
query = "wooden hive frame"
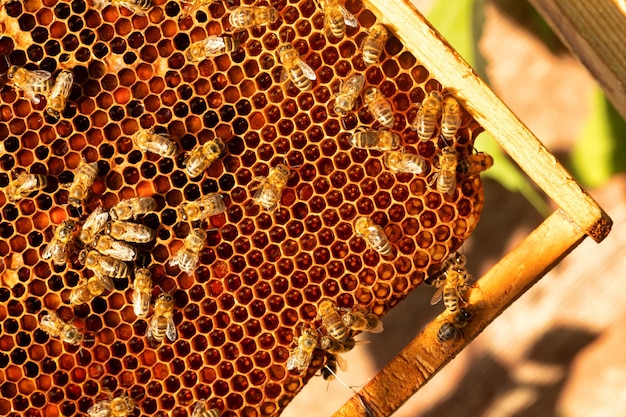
(577, 217)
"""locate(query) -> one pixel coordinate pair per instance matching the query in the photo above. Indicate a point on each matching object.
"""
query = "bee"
(116, 407)
(24, 185)
(142, 292)
(446, 177)
(373, 234)
(94, 224)
(31, 82)
(244, 17)
(374, 43)
(194, 5)
(202, 156)
(117, 249)
(329, 371)
(102, 264)
(335, 347)
(379, 106)
(129, 232)
(336, 18)
(427, 115)
(139, 7)
(452, 328)
(132, 208)
(199, 410)
(359, 321)
(162, 321)
(331, 320)
(376, 140)
(475, 164)
(57, 248)
(450, 118)
(158, 143)
(83, 180)
(212, 46)
(90, 288)
(351, 88)
(453, 289)
(270, 189)
(59, 93)
(203, 208)
(294, 67)
(439, 277)
(300, 356)
(399, 161)
(54, 326)
(188, 256)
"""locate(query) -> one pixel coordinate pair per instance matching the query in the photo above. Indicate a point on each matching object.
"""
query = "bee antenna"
(351, 388)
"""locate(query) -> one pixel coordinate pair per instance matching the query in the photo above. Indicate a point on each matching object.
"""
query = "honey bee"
(158, 143)
(452, 328)
(336, 18)
(94, 224)
(351, 88)
(203, 208)
(90, 288)
(199, 410)
(399, 161)
(373, 234)
(270, 189)
(453, 289)
(139, 7)
(116, 407)
(202, 156)
(427, 116)
(142, 292)
(300, 356)
(475, 164)
(24, 185)
(450, 118)
(54, 326)
(129, 232)
(117, 249)
(188, 256)
(359, 321)
(83, 179)
(132, 208)
(379, 106)
(57, 248)
(439, 277)
(102, 264)
(212, 46)
(376, 140)
(331, 320)
(31, 82)
(294, 67)
(374, 43)
(335, 347)
(59, 93)
(244, 17)
(446, 177)
(193, 5)
(162, 321)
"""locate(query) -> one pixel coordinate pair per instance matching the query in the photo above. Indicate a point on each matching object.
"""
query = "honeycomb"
(261, 273)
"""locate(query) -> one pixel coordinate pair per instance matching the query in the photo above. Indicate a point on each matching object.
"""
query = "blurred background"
(558, 350)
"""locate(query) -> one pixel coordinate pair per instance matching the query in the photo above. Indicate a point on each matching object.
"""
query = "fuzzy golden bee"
(191, 6)
(200, 410)
(162, 322)
(90, 288)
(33, 83)
(270, 189)
(202, 156)
(212, 46)
(300, 356)
(129, 232)
(336, 18)
(203, 208)
(451, 329)
(376, 140)
(138, 7)
(117, 249)
(446, 176)
(188, 256)
(94, 224)
(294, 67)
(57, 248)
(474, 164)
(57, 99)
(117, 407)
(450, 118)
(84, 178)
(379, 106)
(427, 117)
(157, 143)
(400, 161)
(54, 326)
(24, 185)
(350, 89)
(331, 320)
(142, 292)
(373, 234)
(374, 43)
(245, 17)
(133, 207)
(361, 321)
(104, 265)
(439, 277)
(453, 289)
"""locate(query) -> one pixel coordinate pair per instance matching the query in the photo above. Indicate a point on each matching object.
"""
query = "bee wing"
(170, 332)
(132, 7)
(214, 45)
(40, 75)
(437, 296)
(349, 18)
(283, 75)
(341, 363)
(173, 261)
(49, 250)
(307, 70)
(140, 300)
(198, 409)
(106, 281)
(378, 328)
